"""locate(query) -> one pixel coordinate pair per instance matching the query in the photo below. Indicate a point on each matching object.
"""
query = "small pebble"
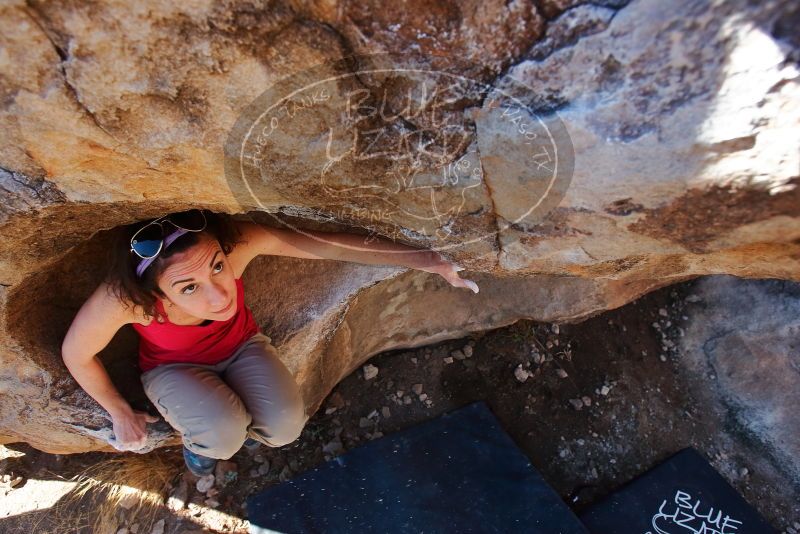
(332, 447)
(158, 528)
(554, 328)
(662, 358)
(458, 355)
(576, 403)
(561, 373)
(423, 396)
(413, 360)
(178, 497)
(385, 412)
(467, 350)
(448, 360)
(521, 374)
(370, 371)
(336, 400)
(205, 483)
(586, 400)
(604, 390)
(417, 388)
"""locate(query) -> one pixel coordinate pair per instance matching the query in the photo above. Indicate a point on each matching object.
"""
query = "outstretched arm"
(349, 247)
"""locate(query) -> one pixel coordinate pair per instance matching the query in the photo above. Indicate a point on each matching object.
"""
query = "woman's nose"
(220, 298)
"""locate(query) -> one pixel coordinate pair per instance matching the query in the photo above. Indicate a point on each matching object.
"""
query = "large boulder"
(669, 131)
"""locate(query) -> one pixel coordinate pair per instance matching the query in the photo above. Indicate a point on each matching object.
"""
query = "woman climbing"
(206, 366)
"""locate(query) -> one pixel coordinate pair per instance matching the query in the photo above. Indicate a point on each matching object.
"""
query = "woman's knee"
(287, 425)
(221, 435)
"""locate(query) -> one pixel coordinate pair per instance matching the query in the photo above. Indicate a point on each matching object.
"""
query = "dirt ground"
(591, 404)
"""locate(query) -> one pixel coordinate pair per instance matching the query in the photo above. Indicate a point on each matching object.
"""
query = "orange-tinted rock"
(680, 138)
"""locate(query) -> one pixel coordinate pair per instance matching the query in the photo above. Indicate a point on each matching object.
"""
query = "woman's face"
(200, 281)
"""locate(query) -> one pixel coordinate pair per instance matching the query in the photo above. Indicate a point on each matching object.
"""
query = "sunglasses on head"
(148, 241)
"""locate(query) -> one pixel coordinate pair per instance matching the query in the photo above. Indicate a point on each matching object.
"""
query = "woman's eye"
(217, 268)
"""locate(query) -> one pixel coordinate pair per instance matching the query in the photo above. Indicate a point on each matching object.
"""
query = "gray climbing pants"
(216, 407)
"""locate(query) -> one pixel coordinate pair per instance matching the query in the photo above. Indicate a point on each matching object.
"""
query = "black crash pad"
(683, 495)
(459, 472)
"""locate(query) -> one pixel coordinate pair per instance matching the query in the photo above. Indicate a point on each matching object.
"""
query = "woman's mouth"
(226, 308)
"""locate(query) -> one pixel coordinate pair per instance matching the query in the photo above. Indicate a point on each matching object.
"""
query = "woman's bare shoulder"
(97, 322)
(115, 305)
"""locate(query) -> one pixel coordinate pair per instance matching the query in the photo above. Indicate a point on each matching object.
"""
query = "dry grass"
(131, 485)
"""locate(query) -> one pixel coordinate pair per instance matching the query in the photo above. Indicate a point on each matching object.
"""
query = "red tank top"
(207, 344)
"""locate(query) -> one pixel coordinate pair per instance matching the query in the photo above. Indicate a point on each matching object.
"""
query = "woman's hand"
(433, 262)
(130, 430)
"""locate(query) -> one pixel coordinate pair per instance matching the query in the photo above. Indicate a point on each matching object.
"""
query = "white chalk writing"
(686, 515)
(289, 109)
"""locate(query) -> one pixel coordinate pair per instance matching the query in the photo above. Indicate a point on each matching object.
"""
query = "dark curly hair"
(132, 290)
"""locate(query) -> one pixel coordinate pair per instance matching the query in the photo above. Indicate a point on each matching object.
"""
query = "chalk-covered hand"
(130, 430)
(433, 262)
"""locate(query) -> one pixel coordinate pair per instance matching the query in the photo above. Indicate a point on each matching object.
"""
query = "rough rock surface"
(752, 358)
(682, 119)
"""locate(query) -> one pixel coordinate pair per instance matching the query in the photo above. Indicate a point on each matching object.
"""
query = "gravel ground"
(591, 404)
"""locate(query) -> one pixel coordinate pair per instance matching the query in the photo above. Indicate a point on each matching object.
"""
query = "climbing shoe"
(251, 445)
(198, 465)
